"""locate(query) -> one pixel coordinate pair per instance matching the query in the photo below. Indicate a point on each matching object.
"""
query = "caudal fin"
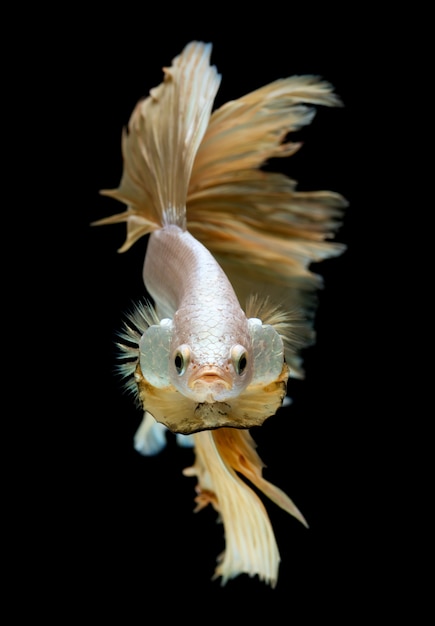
(161, 142)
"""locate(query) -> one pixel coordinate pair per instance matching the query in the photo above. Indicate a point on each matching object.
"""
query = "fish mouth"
(210, 384)
(209, 374)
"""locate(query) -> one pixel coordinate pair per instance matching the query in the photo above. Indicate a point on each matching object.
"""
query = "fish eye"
(182, 359)
(239, 358)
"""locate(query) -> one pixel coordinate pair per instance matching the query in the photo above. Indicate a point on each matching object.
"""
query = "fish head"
(203, 366)
(217, 368)
(211, 367)
(192, 386)
(212, 371)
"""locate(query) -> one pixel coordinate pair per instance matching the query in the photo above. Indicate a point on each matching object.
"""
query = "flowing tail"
(223, 457)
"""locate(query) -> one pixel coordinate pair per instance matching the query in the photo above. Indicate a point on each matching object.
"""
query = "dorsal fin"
(161, 142)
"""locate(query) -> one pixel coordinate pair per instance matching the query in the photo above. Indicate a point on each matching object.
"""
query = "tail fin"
(263, 232)
(224, 457)
(159, 148)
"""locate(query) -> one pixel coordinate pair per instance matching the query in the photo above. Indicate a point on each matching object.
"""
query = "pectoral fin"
(268, 350)
(154, 346)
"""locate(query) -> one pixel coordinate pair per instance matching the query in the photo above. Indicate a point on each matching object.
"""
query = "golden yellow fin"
(243, 133)
(238, 449)
(250, 544)
(222, 456)
(160, 145)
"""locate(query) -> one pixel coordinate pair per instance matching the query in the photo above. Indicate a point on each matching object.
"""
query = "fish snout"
(211, 384)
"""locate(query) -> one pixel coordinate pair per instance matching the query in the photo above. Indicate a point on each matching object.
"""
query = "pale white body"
(190, 288)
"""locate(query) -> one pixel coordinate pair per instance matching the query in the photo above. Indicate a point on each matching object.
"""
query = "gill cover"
(154, 348)
(268, 352)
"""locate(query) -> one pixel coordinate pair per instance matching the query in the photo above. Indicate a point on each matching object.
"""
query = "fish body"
(227, 269)
(211, 362)
(210, 341)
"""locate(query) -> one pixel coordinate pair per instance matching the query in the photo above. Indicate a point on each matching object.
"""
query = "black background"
(119, 529)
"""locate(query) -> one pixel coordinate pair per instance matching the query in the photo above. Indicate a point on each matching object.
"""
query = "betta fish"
(230, 297)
